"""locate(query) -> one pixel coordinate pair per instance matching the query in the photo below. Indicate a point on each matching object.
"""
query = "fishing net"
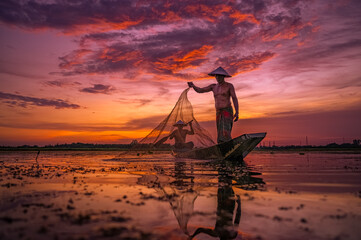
(183, 111)
(180, 195)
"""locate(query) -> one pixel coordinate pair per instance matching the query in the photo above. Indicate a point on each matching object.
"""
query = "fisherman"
(222, 91)
(179, 135)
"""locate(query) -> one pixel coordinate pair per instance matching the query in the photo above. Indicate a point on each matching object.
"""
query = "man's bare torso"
(222, 95)
(222, 92)
(179, 135)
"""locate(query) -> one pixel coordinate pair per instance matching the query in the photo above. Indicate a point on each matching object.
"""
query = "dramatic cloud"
(86, 16)
(164, 38)
(23, 101)
(99, 88)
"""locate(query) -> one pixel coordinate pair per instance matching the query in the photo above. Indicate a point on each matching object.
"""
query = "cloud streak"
(138, 102)
(99, 88)
(134, 124)
(60, 83)
(24, 101)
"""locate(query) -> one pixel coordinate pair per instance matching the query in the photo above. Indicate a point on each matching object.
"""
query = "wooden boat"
(235, 149)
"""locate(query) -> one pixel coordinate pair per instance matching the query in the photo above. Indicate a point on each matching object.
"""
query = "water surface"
(107, 195)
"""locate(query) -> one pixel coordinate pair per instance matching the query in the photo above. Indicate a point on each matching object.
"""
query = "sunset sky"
(108, 71)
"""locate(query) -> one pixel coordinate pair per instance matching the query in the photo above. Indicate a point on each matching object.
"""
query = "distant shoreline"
(135, 146)
(302, 151)
(270, 150)
(76, 149)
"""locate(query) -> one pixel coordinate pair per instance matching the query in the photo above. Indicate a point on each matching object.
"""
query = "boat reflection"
(186, 181)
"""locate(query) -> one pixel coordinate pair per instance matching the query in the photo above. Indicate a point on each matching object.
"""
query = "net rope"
(183, 111)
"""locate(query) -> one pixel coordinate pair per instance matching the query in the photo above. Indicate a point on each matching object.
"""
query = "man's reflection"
(228, 208)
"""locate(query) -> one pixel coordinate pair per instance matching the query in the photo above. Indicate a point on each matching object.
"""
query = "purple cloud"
(121, 47)
(237, 64)
(23, 101)
(69, 16)
(99, 88)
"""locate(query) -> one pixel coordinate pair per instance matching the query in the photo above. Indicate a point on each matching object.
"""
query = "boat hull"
(235, 149)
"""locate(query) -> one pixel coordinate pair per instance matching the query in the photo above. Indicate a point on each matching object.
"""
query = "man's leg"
(224, 121)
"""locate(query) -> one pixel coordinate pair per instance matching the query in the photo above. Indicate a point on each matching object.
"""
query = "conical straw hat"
(219, 71)
(180, 122)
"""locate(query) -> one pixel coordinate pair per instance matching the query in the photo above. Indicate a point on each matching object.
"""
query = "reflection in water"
(183, 203)
(229, 203)
(228, 208)
(181, 194)
(179, 188)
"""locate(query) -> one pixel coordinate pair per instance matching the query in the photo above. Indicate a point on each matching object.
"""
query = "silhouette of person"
(179, 135)
(223, 92)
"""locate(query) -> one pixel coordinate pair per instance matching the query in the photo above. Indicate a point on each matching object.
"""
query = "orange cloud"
(101, 25)
(166, 16)
(170, 17)
(252, 63)
(287, 33)
(181, 60)
(115, 55)
(211, 13)
(239, 17)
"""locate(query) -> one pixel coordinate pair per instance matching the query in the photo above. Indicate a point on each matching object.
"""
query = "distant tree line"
(85, 146)
(356, 144)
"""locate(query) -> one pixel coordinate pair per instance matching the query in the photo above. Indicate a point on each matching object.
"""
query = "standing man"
(222, 92)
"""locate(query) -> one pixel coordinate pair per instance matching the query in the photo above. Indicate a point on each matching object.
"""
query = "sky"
(108, 71)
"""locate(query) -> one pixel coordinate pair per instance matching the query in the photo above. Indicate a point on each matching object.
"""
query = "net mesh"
(183, 111)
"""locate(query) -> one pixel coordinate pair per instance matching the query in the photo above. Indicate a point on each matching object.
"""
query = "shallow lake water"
(110, 195)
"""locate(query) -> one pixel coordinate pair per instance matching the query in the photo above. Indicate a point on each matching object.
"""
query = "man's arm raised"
(191, 132)
(201, 90)
(235, 101)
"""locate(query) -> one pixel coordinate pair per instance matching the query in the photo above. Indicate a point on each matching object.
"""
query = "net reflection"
(183, 183)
